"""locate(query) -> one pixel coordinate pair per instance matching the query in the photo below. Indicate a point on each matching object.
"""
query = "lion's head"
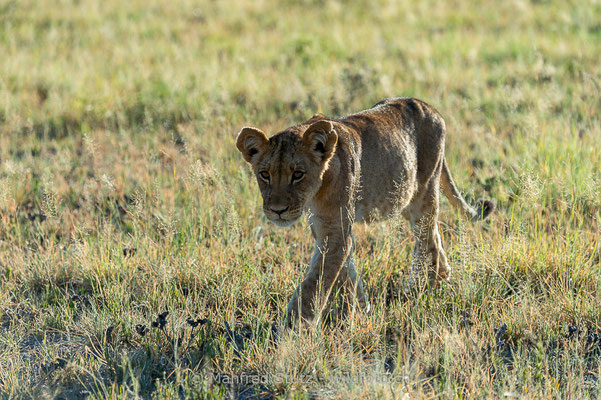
(289, 166)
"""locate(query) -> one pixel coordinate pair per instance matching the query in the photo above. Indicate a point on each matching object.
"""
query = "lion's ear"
(250, 142)
(321, 138)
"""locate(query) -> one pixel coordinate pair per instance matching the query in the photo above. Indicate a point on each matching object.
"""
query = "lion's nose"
(278, 209)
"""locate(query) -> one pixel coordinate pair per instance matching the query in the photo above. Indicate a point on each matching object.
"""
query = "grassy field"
(122, 197)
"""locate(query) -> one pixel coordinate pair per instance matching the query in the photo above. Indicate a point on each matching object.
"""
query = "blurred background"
(72, 66)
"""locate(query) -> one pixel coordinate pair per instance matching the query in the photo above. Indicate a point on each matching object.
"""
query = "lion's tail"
(482, 209)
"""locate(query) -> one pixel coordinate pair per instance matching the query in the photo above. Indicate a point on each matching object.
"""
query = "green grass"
(122, 195)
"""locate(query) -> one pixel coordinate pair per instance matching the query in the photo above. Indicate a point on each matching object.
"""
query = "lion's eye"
(264, 175)
(297, 176)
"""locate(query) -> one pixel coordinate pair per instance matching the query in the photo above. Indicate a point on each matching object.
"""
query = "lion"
(383, 161)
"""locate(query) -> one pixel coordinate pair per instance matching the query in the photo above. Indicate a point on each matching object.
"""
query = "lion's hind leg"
(429, 258)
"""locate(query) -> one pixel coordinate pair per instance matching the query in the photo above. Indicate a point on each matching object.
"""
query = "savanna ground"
(122, 196)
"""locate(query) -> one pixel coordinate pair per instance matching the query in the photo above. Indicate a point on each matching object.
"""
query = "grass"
(122, 196)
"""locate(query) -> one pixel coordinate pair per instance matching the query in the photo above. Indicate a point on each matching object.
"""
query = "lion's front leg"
(302, 302)
(331, 271)
(355, 285)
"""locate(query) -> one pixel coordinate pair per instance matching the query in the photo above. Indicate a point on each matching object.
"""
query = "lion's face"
(289, 167)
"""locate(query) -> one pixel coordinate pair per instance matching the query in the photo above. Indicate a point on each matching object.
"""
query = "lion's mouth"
(282, 220)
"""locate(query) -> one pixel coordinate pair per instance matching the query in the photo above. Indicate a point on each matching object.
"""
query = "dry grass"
(122, 196)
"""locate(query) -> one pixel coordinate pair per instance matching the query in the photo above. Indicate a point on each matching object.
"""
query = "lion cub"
(389, 157)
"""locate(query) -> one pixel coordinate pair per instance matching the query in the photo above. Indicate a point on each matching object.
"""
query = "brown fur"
(357, 168)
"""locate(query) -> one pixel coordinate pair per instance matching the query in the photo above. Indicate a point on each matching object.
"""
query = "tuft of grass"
(122, 195)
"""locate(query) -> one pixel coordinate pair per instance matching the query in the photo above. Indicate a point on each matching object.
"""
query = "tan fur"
(389, 157)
